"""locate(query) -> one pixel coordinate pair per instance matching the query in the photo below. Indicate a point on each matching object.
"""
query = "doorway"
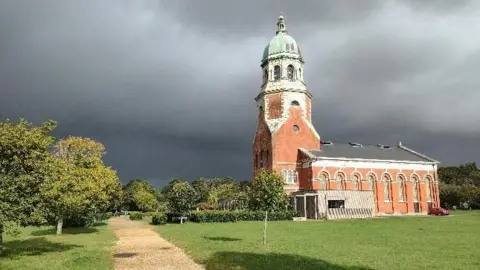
(416, 207)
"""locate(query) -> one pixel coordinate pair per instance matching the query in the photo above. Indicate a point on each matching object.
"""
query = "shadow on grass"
(222, 239)
(125, 255)
(66, 231)
(233, 260)
(33, 247)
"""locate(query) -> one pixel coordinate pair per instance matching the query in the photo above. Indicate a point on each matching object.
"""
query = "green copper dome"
(282, 43)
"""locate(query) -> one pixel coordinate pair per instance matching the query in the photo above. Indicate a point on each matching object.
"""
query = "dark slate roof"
(399, 152)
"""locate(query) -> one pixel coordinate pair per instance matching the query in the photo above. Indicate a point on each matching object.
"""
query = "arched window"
(386, 188)
(355, 181)
(401, 188)
(371, 181)
(266, 157)
(261, 158)
(300, 73)
(415, 188)
(340, 180)
(294, 103)
(265, 75)
(290, 72)
(276, 73)
(323, 181)
(429, 186)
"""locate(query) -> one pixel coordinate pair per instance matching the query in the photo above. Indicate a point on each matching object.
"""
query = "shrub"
(243, 215)
(107, 215)
(159, 219)
(136, 216)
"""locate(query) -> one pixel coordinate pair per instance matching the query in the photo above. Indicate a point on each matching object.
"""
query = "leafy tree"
(139, 194)
(166, 189)
(24, 158)
(266, 192)
(224, 192)
(460, 184)
(181, 197)
(145, 201)
(203, 186)
(78, 181)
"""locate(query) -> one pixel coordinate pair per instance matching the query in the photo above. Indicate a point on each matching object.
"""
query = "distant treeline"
(460, 186)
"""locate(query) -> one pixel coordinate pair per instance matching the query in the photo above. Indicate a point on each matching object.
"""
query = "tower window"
(295, 128)
(290, 72)
(294, 103)
(300, 73)
(276, 73)
(265, 75)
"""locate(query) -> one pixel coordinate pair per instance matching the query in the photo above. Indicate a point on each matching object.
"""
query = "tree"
(202, 186)
(266, 192)
(166, 189)
(181, 198)
(78, 181)
(140, 196)
(24, 158)
(145, 201)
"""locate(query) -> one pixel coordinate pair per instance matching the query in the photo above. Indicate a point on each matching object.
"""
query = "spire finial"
(281, 26)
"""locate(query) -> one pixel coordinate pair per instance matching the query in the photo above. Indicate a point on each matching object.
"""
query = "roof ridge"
(401, 146)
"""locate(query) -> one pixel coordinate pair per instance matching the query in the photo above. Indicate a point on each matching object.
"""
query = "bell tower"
(284, 106)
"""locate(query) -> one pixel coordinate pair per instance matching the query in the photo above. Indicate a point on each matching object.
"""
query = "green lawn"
(451, 242)
(77, 248)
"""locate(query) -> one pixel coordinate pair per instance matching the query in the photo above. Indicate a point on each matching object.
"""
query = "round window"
(295, 128)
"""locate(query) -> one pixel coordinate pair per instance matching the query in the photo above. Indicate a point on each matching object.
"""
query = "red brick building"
(328, 179)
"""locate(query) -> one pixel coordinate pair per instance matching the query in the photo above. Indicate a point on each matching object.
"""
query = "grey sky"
(168, 86)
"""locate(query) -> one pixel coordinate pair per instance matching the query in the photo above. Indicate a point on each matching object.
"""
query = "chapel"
(326, 179)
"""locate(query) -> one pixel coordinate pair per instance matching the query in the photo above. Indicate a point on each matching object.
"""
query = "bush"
(136, 216)
(159, 219)
(243, 215)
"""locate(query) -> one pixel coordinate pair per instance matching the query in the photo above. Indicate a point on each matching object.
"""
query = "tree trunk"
(1, 238)
(265, 229)
(59, 226)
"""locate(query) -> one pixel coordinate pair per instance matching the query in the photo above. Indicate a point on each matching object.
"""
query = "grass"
(77, 248)
(451, 242)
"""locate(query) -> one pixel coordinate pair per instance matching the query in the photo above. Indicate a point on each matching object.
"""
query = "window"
(289, 176)
(336, 204)
(340, 181)
(265, 75)
(415, 188)
(429, 191)
(371, 181)
(294, 103)
(261, 158)
(290, 72)
(295, 128)
(386, 188)
(276, 73)
(266, 157)
(401, 190)
(300, 73)
(323, 182)
(355, 180)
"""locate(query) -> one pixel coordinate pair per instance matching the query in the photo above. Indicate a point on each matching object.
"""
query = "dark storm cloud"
(240, 18)
(168, 87)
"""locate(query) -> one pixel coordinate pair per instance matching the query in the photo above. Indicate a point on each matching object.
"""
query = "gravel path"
(139, 247)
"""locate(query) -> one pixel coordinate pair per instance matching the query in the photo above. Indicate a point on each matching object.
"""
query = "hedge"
(159, 219)
(136, 216)
(241, 215)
